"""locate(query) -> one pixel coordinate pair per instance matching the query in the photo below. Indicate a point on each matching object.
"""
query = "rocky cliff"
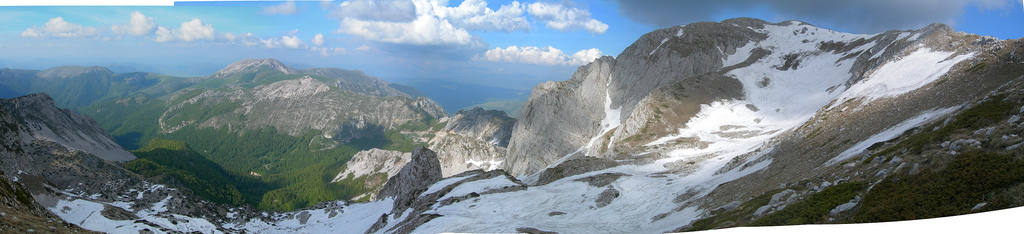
(39, 119)
(784, 72)
(473, 139)
(422, 171)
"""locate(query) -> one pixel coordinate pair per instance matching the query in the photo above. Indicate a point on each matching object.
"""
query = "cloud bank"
(863, 16)
(542, 56)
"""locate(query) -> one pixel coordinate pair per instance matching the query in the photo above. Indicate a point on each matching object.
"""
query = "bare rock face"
(422, 171)
(473, 139)
(488, 125)
(372, 163)
(374, 160)
(40, 119)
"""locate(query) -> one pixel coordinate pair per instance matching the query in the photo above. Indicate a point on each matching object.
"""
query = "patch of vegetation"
(983, 114)
(976, 67)
(741, 214)
(972, 178)
(815, 208)
(204, 177)
(128, 120)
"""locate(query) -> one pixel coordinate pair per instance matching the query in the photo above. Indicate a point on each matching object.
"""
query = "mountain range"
(701, 126)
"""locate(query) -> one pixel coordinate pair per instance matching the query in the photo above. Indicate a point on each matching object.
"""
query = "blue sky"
(507, 44)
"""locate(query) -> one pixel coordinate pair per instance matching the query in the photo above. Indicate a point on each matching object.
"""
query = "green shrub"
(814, 208)
(970, 179)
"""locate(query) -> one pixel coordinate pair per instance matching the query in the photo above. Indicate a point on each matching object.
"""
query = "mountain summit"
(253, 65)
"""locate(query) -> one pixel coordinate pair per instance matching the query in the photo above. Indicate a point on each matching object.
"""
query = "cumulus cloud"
(318, 40)
(871, 16)
(564, 18)
(138, 25)
(193, 30)
(58, 28)
(425, 30)
(363, 48)
(427, 22)
(285, 8)
(473, 15)
(542, 56)
(287, 42)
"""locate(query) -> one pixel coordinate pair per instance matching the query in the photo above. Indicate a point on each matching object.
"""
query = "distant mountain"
(253, 117)
(252, 66)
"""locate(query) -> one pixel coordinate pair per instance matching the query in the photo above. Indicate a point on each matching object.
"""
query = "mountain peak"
(253, 65)
(72, 71)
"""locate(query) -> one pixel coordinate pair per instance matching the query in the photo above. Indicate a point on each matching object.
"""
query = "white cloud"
(363, 48)
(193, 30)
(474, 15)
(286, 8)
(326, 51)
(57, 27)
(427, 22)
(563, 18)
(318, 40)
(288, 42)
(543, 56)
(425, 30)
(138, 25)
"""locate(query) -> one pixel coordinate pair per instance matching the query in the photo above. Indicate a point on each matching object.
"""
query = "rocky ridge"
(251, 66)
(473, 139)
(41, 120)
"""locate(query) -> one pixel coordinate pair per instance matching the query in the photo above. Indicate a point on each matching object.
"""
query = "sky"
(505, 44)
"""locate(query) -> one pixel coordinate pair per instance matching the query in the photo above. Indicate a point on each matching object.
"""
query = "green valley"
(257, 132)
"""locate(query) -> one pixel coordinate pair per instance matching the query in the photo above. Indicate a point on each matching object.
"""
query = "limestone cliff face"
(39, 119)
(370, 164)
(473, 139)
(561, 117)
(487, 125)
(422, 171)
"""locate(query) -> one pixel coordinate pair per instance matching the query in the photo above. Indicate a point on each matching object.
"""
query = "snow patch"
(659, 46)
(903, 75)
(479, 186)
(891, 133)
(490, 164)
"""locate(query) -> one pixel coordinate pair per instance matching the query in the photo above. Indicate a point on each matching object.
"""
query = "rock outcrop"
(422, 170)
(376, 166)
(473, 139)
